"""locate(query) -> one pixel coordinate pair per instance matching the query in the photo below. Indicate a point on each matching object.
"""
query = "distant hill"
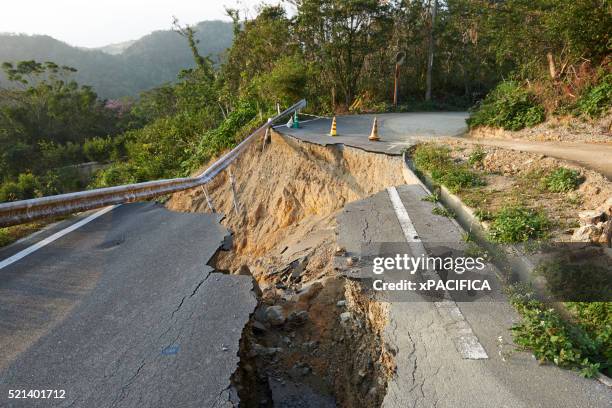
(115, 49)
(121, 69)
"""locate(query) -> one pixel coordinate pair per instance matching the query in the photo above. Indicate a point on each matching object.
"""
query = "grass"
(562, 180)
(436, 161)
(444, 212)
(432, 198)
(8, 235)
(518, 224)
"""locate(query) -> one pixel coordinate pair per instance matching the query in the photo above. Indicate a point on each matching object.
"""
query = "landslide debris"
(315, 337)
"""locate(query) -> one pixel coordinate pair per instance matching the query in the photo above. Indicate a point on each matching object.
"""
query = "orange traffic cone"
(333, 132)
(374, 135)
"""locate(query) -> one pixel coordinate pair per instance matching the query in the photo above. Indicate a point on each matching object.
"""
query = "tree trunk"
(551, 66)
(430, 56)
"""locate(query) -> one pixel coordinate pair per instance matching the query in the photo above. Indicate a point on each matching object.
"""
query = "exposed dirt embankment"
(562, 129)
(292, 188)
(300, 347)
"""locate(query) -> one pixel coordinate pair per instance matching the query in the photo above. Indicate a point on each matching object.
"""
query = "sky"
(95, 23)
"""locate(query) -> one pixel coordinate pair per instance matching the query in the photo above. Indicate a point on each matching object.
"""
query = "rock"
(345, 317)
(298, 267)
(300, 369)
(297, 318)
(341, 303)
(259, 350)
(310, 292)
(591, 217)
(606, 234)
(587, 233)
(275, 315)
(310, 345)
(258, 328)
(340, 251)
(243, 270)
(606, 208)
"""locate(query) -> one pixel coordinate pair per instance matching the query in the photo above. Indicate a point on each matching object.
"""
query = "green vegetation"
(518, 224)
(443, 211)
(552, 339)
(436, 161)
(584, 338)
(477, 156)
(8, 235)
(45, 124)
(596, 100)
(509, 106)
(432, 198)
(562, 180)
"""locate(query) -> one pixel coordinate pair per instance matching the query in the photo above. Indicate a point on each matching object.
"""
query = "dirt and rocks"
(315, 338)
(516, 178)
(562, 129)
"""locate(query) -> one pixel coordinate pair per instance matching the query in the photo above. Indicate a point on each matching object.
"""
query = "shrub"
(596, 319)
(518, 224)
(509, 106)
(61, 180)
(58, 155)
(562, 180)
(116, 174)
(98, 149)
(26, 186)
(597, 99)
(551, 339)
(477, 156)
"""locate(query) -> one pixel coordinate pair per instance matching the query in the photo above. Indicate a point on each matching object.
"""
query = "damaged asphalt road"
(125, 312)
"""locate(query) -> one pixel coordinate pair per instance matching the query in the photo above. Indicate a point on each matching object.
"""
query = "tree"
(432, 44)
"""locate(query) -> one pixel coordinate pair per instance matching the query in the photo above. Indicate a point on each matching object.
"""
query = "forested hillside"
(148, 62)
(531, 59)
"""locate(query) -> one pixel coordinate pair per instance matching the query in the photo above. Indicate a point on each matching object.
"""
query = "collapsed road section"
(319, 337)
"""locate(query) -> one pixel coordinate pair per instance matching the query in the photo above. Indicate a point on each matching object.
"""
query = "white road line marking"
(22, 254)
(463, 337)
(403, 217)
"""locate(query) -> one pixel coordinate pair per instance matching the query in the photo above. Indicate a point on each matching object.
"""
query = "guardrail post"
(234, 196)
(278, 111)
(266, 138)
(208, 200)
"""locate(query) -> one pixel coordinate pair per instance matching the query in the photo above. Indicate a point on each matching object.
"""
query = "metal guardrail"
(18, 212)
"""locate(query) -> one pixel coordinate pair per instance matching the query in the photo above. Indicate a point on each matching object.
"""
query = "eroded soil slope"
(315, 336)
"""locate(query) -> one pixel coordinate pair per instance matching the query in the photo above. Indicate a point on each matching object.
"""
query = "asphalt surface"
(124, 312)
(431, 372)
(396, 130)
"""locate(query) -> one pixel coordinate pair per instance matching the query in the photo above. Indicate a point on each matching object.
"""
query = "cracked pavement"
(430, 370)
(125, 312)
